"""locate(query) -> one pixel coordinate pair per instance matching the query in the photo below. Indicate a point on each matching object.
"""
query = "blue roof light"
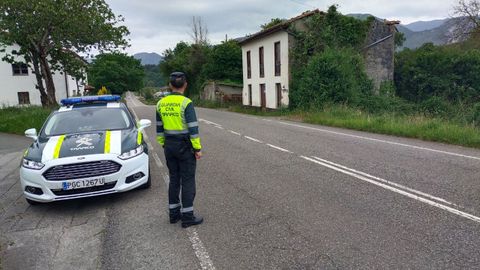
(86, 99)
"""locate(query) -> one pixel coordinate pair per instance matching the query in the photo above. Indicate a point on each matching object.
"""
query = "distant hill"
(425, 25)
(439, 32)
(148, 58)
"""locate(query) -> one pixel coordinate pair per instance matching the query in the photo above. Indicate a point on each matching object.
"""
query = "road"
(275, 195)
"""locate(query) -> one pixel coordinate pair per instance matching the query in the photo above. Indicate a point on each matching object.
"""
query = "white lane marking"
(396, 190)
(150, 146)
(197, 244)
(382, 141)
(208, 122)
(279, 148)
(253, 139)
(157, 160)
(219, 127)
(200, 250)
(234, 132)
(388, 182)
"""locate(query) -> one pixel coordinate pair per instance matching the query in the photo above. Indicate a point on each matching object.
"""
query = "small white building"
(18, 84)
(266, 67)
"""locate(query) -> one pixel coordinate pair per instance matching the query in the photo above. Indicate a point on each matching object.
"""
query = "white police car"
(91, 146)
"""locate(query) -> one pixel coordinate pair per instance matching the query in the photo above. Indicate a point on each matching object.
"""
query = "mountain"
(439, 32)
(148, 58)
(425, 25)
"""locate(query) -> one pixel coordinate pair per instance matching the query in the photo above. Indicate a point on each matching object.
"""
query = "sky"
(156, 25)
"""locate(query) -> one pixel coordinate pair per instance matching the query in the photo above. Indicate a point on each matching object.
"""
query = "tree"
(272, 22)
(153, 77)
(118, 72)
(199, 31)
(51, 33)
(467, 13)
(186, 58)
(224, 62)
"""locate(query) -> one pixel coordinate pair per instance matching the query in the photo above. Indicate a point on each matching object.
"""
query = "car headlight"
(132, 153)
(30, 164)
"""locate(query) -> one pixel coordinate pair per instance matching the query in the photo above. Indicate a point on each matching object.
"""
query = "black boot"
(175, 215)
(189, 219)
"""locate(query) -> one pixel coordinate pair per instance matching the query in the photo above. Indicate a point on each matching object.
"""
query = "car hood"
(68, 145)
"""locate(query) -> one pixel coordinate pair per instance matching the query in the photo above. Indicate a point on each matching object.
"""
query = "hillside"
(425, 25)
(439, 32)
(148, 58)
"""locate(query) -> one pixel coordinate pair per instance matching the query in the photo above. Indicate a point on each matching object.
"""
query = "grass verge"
(18, 119)
(411, 126)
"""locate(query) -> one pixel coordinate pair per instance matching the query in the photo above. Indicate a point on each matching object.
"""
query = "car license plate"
(68, 185)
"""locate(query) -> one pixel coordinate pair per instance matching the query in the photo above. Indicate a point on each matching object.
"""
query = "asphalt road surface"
(275, 195)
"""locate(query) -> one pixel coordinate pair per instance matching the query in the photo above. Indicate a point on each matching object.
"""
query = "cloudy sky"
(156, 25)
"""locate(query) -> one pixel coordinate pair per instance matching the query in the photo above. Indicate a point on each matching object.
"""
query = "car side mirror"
(143, 123)
(31, 133)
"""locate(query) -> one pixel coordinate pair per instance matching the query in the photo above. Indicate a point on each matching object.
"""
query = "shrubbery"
(335, 75)
(444, 72)
(327, 65)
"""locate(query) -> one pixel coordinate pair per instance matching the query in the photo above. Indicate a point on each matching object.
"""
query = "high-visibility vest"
(172, 111)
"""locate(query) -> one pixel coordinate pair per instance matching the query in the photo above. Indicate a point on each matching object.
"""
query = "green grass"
(412, 126)
(18, 119)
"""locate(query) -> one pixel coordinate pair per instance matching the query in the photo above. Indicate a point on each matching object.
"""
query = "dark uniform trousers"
(181, 165)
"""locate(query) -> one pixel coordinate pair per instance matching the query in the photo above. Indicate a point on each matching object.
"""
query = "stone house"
(266, 60)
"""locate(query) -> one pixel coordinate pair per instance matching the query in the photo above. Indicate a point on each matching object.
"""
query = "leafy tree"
(446, 72)
(116, 71)
(224, 62)
(50, 33)
(272, 22)
(189, 59)
(153, 76)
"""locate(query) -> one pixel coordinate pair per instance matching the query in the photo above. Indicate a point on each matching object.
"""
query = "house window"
(277, 59)
(250, 94)
(261, 63)
(249, 66)
(19, 69)
(23, 98)
(278, 87)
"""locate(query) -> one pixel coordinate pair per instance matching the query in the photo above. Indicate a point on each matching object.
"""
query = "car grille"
(81, 170)
(60, 192)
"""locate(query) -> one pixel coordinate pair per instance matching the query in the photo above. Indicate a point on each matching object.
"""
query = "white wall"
(270, 80)
(11, 84)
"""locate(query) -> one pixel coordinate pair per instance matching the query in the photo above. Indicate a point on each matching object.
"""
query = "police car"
(90, 146)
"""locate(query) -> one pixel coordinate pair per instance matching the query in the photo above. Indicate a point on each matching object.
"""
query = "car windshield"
(80, 120)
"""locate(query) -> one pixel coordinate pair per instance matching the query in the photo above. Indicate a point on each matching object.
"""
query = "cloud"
(158, 25)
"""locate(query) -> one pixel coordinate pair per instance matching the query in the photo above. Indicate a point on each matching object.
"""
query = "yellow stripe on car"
(107, 142)
(139, 137)
(58, 146)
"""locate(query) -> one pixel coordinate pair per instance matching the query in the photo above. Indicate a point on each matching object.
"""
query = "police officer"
(177, 132)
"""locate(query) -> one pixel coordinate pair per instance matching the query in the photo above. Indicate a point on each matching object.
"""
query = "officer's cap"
(178, 79)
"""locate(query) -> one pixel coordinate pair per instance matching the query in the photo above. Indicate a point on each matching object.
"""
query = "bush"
(445, 72)
(436, 107)
(334, 76)
(475, 118)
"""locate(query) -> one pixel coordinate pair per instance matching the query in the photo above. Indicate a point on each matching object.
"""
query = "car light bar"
(86, 99)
